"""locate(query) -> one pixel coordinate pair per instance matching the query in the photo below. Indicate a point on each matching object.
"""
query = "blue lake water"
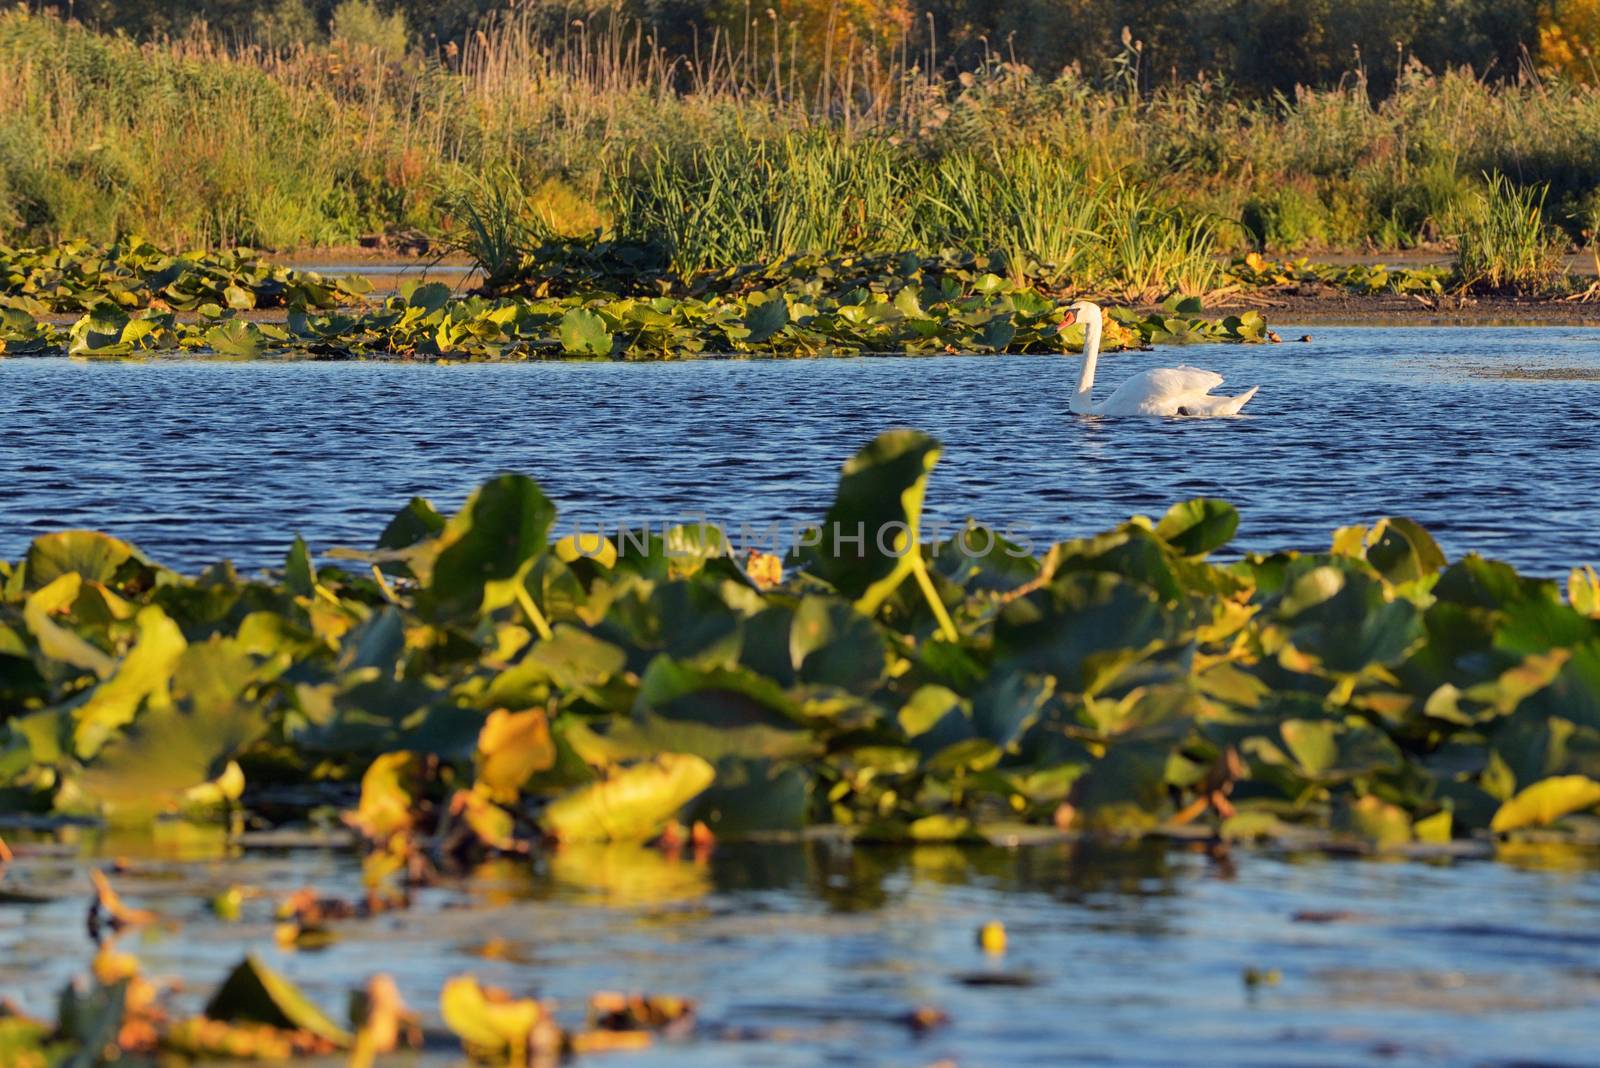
(196, 460)
(813, 954)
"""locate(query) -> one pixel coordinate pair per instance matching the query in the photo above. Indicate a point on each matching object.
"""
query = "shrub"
(361, 23)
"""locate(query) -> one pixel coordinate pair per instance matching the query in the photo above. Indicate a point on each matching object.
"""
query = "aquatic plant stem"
(535, 616)
(947, 626)
(383, 584)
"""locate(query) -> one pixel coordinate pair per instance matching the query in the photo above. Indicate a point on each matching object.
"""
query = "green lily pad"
(583, 333)
(170, 748)
(766, 319)
(490, 544)
(864, 546)
(1200, 526)
(630, 804)
(236, 338)
(92, 556)
(254, 993)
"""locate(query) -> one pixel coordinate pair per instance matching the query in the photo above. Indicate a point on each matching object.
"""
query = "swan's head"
(1081, 311)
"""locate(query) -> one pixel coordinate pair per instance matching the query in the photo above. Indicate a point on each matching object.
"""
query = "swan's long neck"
(1091, 354)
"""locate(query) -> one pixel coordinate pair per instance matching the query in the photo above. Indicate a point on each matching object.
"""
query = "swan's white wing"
(1160, 391)
(1185, 380)
(1218, 406)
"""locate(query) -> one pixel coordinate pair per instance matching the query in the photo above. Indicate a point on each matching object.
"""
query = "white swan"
(1162, 391)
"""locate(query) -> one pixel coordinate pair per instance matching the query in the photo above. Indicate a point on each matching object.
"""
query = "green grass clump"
(492, 224)
(1039, 211)
(1502, 241)
(746, 199)
(743, 198)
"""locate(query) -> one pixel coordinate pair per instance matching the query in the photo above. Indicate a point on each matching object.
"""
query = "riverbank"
(1313, 302)
(1310, 304)
(1325, 305)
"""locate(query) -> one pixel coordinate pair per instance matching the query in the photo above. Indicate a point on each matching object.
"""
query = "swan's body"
(1162, 391)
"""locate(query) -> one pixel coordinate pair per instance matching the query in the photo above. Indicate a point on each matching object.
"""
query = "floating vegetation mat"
(1256, 272)
(76, 276)
(592, 687)
(484, 685)
(428, 322)
(588, 298)
(571, 265)
(1538, 374)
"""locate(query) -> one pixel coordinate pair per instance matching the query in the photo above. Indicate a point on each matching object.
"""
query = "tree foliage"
(1569, 40)
(1260, 45)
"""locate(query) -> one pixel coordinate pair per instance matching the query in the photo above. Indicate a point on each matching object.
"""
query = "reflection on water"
(195, 461)
(622, 875)
(815, 952)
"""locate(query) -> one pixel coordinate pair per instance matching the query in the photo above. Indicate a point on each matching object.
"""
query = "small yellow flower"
(764, 569)
(992, 937)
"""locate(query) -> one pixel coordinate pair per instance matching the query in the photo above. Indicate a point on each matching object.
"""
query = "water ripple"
(195, 460)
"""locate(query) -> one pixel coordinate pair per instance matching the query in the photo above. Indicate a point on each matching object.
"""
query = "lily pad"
(254, 993)
(631, 803)
(1546, 801)
(864, 546)
(583, 333)
(92, 556)
(1200, 526)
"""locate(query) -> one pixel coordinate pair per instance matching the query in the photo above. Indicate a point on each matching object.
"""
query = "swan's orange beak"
(1071, 318)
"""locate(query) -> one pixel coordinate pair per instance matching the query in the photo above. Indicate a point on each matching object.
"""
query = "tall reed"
(742, 198)
(1041, 212)
(750, 199)
(1154, 250)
